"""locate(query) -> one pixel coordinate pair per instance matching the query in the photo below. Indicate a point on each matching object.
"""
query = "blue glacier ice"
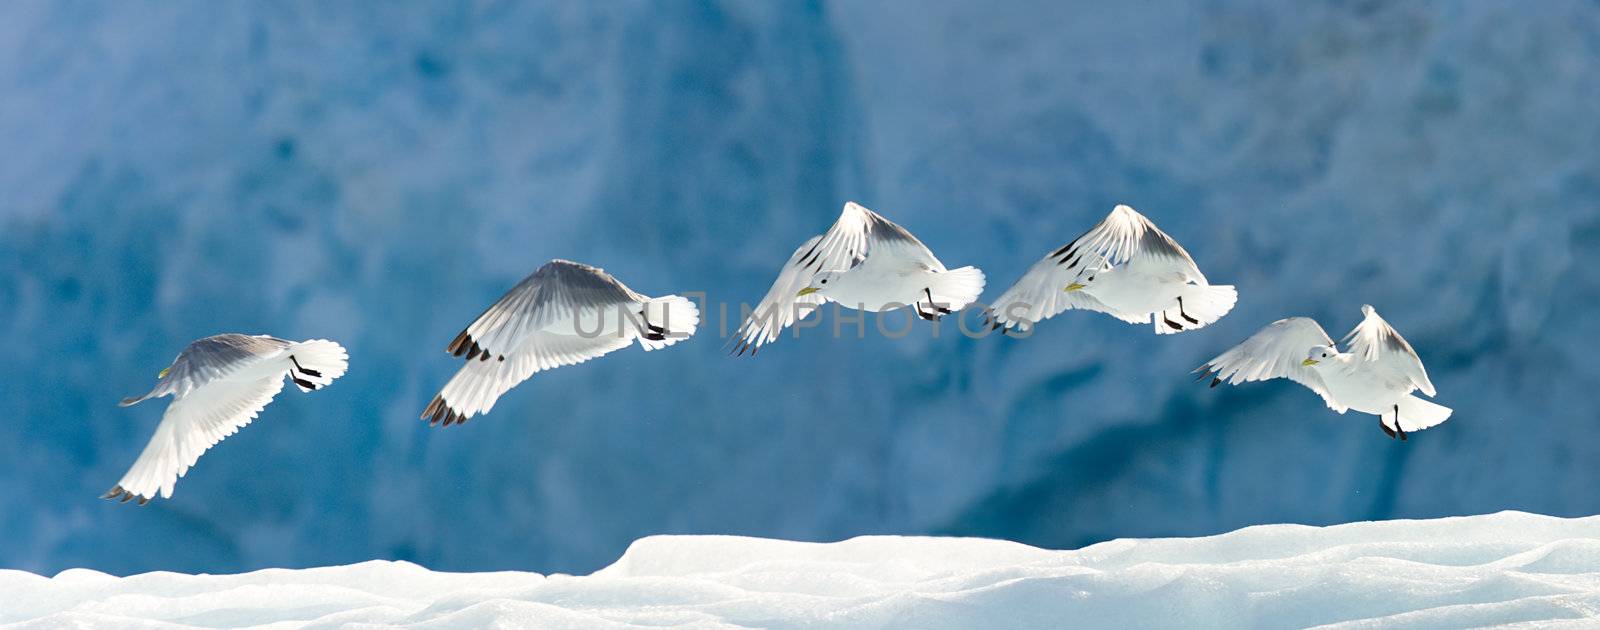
(377, 173)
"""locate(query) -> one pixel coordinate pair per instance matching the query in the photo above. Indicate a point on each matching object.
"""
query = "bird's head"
(1083, 282)
(1318, 354)
(821, 282)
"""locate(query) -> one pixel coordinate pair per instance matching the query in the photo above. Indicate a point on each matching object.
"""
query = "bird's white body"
(277, 365)
(1349, 385)
(883, 283)
(622, 321)
(1353, 384)
(1131, 290)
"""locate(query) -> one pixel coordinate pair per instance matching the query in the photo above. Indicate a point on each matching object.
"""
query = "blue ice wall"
(377, 173)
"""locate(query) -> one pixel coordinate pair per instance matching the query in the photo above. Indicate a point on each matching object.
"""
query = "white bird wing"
(193, 423)
(1379, 347)
(887, 238)
(1126, 237)
(557, 291)
(475, 388)
(211, 358)
(1041, 294)
(858, 234)
(1276, 351)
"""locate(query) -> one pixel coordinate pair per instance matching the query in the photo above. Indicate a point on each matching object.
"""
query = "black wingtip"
(1215, 382)
(994, 322)
(458, 345)
(122, 495)
(435, 411)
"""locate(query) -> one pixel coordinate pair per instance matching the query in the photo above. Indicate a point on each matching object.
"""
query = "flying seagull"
(1124, 266)
(864, 262)
(1375, 375)
(564, 313)
(219, 384)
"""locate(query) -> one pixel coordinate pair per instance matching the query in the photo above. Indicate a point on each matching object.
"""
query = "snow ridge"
(1504, 568)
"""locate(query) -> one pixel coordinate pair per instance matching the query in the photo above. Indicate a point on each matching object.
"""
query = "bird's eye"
(824, 281)
(1091, 278)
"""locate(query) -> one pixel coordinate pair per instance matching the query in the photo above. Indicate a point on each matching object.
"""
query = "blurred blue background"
(377, 173)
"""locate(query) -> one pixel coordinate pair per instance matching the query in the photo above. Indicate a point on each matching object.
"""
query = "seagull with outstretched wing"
(1377, 374)
(218, 385)
(865, 262)
(1125, 267)
(564, 313)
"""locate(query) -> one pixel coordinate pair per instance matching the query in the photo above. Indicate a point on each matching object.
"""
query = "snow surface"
(1505, 568)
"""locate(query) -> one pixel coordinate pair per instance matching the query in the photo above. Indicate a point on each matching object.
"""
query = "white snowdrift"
(1506, 568)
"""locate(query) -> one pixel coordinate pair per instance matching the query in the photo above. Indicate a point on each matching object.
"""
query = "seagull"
(1124, 266)
(1376, 375)
(218, 385)
(864, 262)
(562, 314)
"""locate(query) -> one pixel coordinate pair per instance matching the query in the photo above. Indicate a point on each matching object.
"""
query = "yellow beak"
(806, 291)
(1309, 362)
(163, 373)
(1074, 287)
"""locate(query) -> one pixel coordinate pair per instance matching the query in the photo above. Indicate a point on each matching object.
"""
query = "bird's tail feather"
(668, 320)
(956, 288)
(1202, 305)
(317, 362)
(1417, 414)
